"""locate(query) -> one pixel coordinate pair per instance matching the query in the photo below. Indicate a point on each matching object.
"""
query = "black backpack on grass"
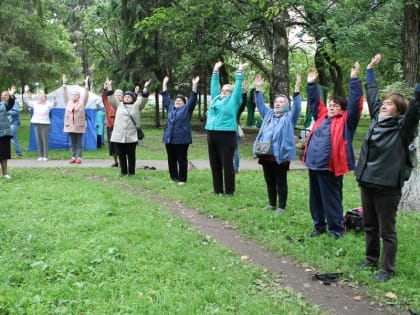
(353, 220)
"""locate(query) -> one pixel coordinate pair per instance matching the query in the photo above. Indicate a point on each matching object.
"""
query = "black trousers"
(379, 219)
(177, 161)
(275, 176)
(127, 155)
(221, 146)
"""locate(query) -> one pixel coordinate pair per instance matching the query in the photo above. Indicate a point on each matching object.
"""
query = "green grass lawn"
(89, 242)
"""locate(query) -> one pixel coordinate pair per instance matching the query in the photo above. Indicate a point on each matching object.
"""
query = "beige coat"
(124, 129)
(74, 115)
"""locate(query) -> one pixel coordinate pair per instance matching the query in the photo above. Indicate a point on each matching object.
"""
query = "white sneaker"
(45, 159)
(40, 159)
(7, 176)
(181, 183)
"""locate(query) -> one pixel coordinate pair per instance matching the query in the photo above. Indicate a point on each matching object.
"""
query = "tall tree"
(411, 192)
(27, 52)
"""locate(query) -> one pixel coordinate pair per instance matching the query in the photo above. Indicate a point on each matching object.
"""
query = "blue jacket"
(14, 114)
(221, 116)
(281, 133)
(333, 134)
(5, 130)
(178, 126)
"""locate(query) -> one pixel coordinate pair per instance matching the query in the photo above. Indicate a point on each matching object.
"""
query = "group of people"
(381, 169)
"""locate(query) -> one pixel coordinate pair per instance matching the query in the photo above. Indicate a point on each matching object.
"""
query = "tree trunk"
(410, 199)
(411, 66)
(280, 57)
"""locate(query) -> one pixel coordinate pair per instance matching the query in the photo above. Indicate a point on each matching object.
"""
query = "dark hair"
(182, 97)
(340, 100)
(399, 100)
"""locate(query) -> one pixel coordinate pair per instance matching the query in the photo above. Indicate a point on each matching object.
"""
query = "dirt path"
(335, 298)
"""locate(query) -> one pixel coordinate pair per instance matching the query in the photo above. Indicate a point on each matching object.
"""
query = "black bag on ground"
(353, 220)
(140, 134)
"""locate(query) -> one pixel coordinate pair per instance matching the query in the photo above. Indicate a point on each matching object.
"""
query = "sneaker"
(79, 161)
(266, 208)
(279, 211)
(72, 160)
(39, 159)
(181, 183)
(316, 233)
(7, 176)
(366, 264)
(383, 276)
(45, 159)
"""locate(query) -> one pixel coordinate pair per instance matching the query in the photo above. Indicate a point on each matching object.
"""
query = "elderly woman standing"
(75, 119)
(382, 170)
(277, 129)
(177, 136)
(41, 121)
(127, 118)
(6, 103)
(221, 129)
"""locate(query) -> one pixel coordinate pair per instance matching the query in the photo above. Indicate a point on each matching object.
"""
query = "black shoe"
(316, 233)
(335, 235)
(366, 264)
(114, 165)
(383, 276)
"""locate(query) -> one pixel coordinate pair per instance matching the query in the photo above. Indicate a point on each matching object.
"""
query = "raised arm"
(355, 101)
(86, 94)
(372, 91)
(142, 101)
(297, 100)
(215, 81)
(192, 100)
(166, 100)
(65, 96)
(316, 106)
(259, 97)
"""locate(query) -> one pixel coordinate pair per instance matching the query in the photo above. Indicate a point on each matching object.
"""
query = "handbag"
(140, 133)
(263, 148)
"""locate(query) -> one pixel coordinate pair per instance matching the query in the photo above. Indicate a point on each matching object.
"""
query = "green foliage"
(35, 45)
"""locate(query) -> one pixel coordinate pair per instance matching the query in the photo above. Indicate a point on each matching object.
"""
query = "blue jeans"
(15, 140)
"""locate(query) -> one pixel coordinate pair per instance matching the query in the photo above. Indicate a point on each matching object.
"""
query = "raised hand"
(195, 80)
(259, 81)
(298, 82)
(218, 65)
(165, 80)
(64, 79)
(312, 75)
(355, 70)
(147, 83)
(374, 61)
(242, 66)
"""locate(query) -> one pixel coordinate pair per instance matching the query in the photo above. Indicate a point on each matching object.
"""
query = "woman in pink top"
(41, 121)
(75, 120)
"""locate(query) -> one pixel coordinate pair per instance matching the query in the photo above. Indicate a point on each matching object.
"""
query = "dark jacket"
(383, 156)
(342, 129)
(178, 126)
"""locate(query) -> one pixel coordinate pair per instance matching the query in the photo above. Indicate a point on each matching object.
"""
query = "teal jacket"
(221, 116)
